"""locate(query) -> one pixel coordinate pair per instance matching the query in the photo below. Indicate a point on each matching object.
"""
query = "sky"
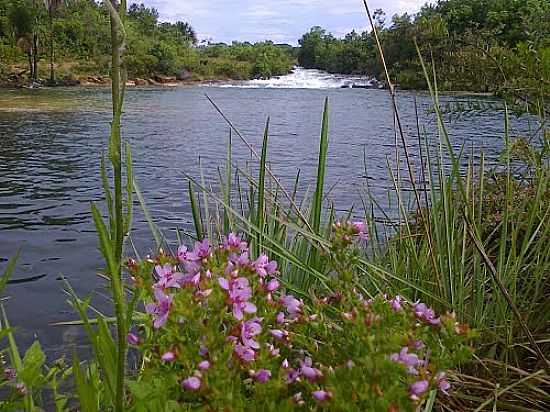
(283, 21)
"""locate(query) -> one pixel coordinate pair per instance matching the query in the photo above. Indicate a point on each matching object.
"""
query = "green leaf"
(107, 191)
(105, 241)
(8, 272)
(152, 226)
(260, 219)
(85, 391)
(321, 170)
(195, 209)
(129, 190)
(33, 361)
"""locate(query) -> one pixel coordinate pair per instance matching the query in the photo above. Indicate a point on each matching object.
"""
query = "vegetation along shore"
(431, 295)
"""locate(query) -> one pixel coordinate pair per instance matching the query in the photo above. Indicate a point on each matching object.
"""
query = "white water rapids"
(301, 78)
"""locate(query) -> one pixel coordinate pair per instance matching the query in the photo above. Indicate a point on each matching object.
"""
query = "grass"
(475, 244)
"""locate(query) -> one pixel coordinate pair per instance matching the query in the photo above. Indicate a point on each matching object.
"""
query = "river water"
(51, 143)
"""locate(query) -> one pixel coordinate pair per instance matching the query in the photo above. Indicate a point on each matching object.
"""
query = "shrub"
(221, 333)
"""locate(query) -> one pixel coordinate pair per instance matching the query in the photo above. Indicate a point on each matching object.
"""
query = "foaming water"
(301, 78)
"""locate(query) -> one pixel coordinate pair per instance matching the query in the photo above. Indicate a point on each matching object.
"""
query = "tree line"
(476, 45)
(64, 38)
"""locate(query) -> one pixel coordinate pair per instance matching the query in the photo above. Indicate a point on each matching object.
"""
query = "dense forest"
(477, 45)
(497, 46)
(56, 39)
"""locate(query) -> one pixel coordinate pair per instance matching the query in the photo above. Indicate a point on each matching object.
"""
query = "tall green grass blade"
(316, 208)
(8, 272)
(82, 307)
(129, 190)
(13, 350)
(206, 207)
(87, 395)
(196, 212)
(227, 226)
(152, 225)
(260, 217)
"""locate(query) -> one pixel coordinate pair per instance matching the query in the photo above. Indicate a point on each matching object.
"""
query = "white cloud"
(280, 20)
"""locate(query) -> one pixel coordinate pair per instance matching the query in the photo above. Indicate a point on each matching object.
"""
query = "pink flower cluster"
(259, 323)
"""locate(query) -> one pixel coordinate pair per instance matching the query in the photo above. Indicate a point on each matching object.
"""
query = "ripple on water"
(52, 143)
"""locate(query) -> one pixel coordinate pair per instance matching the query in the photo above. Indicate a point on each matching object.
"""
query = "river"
(52, 140)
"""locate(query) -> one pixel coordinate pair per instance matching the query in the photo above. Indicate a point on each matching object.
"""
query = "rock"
(153, 82)
(130, 83)
(183, 75)
(140, 82)
(164, 79)
(70, 82)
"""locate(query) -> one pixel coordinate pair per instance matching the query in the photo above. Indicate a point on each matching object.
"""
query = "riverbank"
(18, 80)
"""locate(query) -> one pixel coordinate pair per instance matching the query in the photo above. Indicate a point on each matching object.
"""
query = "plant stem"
(117, 88)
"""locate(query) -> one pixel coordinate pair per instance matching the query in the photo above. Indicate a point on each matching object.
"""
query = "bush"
(222, 334)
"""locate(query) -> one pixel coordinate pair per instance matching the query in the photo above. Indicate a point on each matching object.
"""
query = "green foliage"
(77, 37)
(248, 346)
(476, 45)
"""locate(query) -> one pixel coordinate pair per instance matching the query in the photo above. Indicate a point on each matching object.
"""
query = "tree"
(311, 44)
(52, 6)
(23, 19)
(187, 32)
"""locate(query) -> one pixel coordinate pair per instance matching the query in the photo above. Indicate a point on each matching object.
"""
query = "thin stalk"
(404, 142)
(117, 13)
(260, 220)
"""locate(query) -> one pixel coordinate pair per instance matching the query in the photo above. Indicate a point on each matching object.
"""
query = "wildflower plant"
(221, 333)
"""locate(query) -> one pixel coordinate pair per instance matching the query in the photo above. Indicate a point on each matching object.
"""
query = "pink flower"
(417, 389)
(132, 339)
(361, 229)
(167, 277)
(321, 395)
(418, 344)
(203, 351)
(204, 365)
(234, 241)
(244, 353)
(200, 252)
(10, 374)
(191, 279)
(278, 334)
(264, 267)
(285, 364)
(262, 376)
(273, 351)
(168, 356)
(272, 285)
(410, 360)
(425, 313)
(250, 329)
(22, 389)
(183, 254)
(239, 292)
(292, 375)
(160, 309)
(191, 384)
(293, 306)
(442, 382)
(395, 303)
(280, 318)
(308, 371)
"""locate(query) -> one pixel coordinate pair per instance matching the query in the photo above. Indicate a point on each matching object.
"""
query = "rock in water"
(183, 75)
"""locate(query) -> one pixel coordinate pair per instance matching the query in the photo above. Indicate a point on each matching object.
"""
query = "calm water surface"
(51, 143)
